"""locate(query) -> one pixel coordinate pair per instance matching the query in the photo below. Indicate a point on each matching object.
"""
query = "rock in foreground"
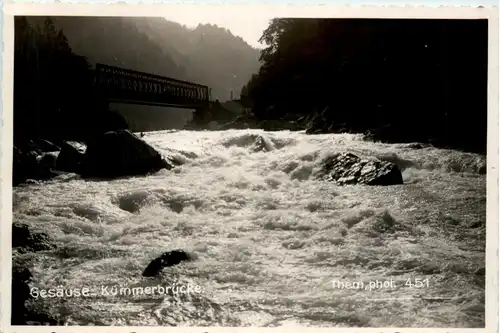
(167, 259)
(21, 277)
(23, 166)
(347, 168)
(27, 241)
(42, 146)
(71, 155)
(120, 153)
(23, 241)
(21, 311)
(32, 164)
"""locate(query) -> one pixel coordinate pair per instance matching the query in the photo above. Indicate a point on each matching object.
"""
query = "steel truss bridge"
(119, 85)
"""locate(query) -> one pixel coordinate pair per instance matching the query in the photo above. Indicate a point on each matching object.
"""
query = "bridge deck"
(127, 86)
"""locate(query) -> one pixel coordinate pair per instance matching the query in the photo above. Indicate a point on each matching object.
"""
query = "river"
(271, 245)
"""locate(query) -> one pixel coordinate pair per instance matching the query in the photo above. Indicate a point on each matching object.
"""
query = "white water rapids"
(269, 241)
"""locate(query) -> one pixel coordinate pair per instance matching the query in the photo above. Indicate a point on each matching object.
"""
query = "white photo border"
(277, 10)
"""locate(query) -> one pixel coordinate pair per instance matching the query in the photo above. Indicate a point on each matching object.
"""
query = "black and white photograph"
(230, 170)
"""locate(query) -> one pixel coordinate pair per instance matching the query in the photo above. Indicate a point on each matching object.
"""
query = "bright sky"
(247, 25)
(248, 21)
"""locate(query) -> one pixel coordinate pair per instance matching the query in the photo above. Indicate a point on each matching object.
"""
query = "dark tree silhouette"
(51, 83)
(405, 80)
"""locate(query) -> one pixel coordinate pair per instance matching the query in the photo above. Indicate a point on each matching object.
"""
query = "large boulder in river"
(167, 259)
(48, 160)
(32, 164)
(22, 312)
(71, 155)
(46, 163)
(120, 153)
(41, 146)
(21, 277)
(347, 168)
(22, 166)
(24, 240)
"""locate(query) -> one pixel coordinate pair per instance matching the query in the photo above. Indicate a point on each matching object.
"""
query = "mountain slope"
(207, 55)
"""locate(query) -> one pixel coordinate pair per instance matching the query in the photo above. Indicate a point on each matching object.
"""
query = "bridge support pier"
(103, 106)
(101, 103)
(202, 115)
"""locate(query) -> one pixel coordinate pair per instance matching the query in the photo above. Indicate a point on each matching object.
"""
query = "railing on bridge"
(127, 86)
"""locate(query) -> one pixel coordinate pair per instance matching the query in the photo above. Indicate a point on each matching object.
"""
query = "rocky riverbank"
(320, 123)
(110, 155)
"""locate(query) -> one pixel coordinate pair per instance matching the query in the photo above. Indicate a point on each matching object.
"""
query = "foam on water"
(268, 239)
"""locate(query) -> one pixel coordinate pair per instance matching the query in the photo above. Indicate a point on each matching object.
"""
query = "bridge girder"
(121, 85)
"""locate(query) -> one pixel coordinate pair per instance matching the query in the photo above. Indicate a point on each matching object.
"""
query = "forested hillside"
(405, 80)
(52, 85)
(208, 54)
